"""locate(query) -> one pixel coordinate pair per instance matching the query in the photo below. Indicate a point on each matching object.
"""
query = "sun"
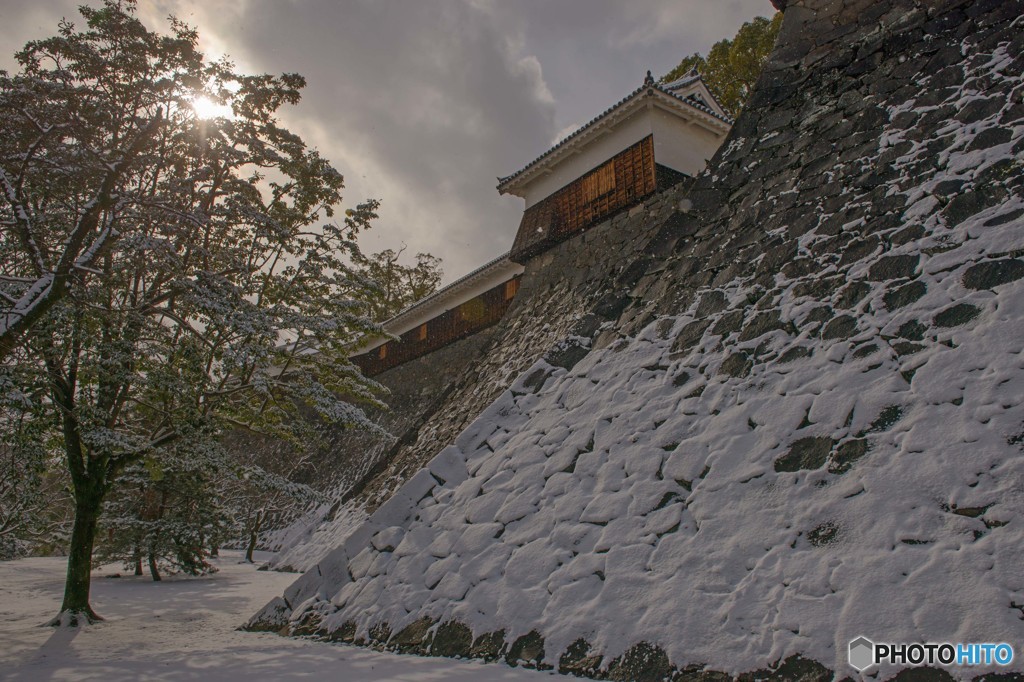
(206, 108)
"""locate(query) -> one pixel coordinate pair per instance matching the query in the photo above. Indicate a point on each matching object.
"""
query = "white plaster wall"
(678, 144)
(682, 145)
(634, 129)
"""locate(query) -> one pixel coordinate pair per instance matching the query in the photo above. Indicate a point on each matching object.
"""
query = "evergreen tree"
(732, 66)
(216, 292)
(167, 513)
(33, 491)
(400, 285)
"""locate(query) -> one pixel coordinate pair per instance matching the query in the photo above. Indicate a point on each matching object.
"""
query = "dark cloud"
(425, 100)
(422, 104)
(596, 51)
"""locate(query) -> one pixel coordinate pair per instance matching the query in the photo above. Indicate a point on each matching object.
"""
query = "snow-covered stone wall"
(570, 291)
(806, 425)
(354, 460)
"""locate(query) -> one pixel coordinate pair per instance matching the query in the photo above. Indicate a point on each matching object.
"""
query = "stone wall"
(565, 293)
(792, 418)
(816, 175)
(352, 461)
(416, 388)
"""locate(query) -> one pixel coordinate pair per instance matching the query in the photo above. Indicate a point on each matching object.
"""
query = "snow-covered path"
(185, 630)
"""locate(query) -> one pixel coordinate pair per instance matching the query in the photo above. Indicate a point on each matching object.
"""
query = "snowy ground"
(184, 630)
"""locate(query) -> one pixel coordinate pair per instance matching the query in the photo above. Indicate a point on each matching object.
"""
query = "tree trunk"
(252, 546)
(138, 561)
(75, 609)
(254, 535)
(153, 569)
(159, 515)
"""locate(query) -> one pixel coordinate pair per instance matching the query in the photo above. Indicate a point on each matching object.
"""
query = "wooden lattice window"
(450, 326)
(614, 185)
(599, 182)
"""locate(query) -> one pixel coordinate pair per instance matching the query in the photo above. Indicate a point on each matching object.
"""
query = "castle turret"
(654, 137)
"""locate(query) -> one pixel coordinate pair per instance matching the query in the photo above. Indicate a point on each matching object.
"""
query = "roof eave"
(439, 297)
(508, 184)
(515, 183)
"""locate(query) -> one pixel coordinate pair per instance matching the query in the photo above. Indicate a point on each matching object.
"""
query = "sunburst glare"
(206, 108)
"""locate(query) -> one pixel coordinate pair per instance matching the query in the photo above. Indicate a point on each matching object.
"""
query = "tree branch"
(23, 224)
(51, 287)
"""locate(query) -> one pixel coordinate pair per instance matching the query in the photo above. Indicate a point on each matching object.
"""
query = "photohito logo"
(864, 653)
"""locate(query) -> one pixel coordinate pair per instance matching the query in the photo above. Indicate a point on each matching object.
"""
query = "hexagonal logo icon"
(862, 653)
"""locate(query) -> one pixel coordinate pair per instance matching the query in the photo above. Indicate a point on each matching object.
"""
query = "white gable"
(686, 121)
(692, 85)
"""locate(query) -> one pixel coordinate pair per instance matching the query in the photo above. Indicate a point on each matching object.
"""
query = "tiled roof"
(450, 288)
(649, 87)
(691, 77)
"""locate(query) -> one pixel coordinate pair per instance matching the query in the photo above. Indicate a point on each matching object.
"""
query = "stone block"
(956, 315)
(453, 639)
(993, 273)
(642, 662)
(894, 267)
(904, 295)
(359, 538)
(527, 651)
(489, 646)
(805, 453)
(449, 466)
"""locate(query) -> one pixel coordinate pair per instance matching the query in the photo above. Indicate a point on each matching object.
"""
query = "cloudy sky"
(423, 103)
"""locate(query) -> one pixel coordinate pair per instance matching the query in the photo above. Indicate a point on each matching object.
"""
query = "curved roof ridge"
(692, 76)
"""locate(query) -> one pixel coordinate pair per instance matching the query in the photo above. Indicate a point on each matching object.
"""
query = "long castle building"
(654, 138)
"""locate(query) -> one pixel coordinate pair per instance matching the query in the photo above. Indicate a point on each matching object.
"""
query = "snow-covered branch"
(51, 286)
(22, 223)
